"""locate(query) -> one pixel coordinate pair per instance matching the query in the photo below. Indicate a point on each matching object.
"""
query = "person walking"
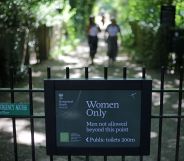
(112, 41)
(92, 32)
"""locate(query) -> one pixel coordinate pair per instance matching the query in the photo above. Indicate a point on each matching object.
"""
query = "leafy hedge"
(151, 45)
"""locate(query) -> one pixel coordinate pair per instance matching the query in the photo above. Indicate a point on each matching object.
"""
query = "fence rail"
(161, 116)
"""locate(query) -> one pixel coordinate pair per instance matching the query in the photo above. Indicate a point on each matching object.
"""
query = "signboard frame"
(51, 85)
(167, 15)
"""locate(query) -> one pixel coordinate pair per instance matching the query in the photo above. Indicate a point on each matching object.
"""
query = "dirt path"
(76, 61)
(80, 57)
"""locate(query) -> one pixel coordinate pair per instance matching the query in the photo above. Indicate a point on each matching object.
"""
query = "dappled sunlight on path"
(80, 57)
(76, 61)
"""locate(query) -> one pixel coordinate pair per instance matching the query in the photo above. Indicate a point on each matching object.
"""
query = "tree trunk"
(43, 37)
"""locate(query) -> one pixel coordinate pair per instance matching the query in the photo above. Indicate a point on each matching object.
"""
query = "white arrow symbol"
(87, 140)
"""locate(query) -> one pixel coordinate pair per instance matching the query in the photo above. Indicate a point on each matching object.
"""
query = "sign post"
(98, 117)
(167, 15)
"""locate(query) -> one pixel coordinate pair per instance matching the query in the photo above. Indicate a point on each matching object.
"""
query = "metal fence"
(160, 117)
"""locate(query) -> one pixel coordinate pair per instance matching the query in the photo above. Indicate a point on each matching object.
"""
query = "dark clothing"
(93, 42)
(92, 32)
(112, 47)
(112, 41)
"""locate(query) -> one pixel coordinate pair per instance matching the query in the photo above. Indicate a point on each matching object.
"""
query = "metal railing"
(30, 90)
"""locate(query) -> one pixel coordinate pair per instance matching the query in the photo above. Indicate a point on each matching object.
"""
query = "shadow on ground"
(76, 61)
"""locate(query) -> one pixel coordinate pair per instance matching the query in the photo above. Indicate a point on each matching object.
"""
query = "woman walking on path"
(92, 32)
(112, 41)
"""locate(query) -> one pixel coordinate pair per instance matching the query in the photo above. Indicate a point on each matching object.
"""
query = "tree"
(140, 22)
(16, 20)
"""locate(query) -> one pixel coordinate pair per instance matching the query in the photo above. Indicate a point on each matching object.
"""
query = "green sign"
(14, 109)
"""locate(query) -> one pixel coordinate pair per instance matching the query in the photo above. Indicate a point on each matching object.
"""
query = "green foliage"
(138, 19)
(180, 14)
(151, 46)
(160, 48)
(149, 43)
(20, 20)
(83, 10)
(56, 13)
(143, 42)
(17, 13)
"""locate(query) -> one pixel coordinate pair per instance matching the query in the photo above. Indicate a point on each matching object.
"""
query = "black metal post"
(143, 77)
(105, 158)
(105, 72)
(123, 158)
(49, 76)
(67, 77)
(124, 77)
(143, 73)
(179, 114)
(69, 158)
(141, 158)
(124, 72)
(48, 72)
(161, 114)
(13, 119)
(67, 72)
(105, 77)
(31, 113)
(86, 77)
(86, 73)
(87, 157)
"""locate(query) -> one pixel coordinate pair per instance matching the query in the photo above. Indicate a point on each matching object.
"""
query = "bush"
(151, 46)
(11, 47)
(161, 48)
